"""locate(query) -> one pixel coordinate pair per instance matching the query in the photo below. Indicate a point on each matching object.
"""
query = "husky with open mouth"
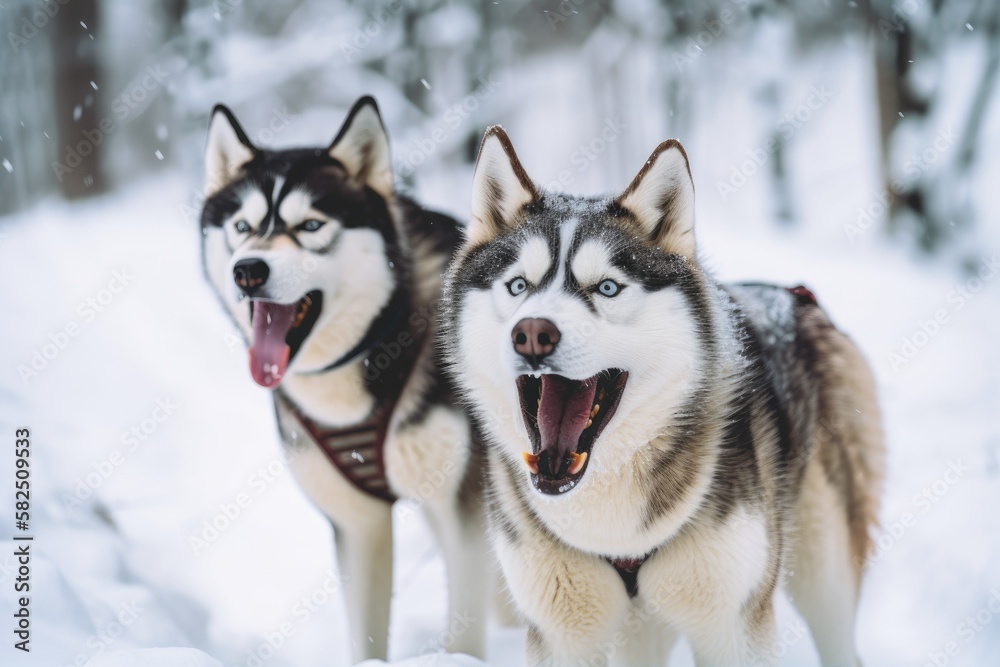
(664, 450)
(334, 279)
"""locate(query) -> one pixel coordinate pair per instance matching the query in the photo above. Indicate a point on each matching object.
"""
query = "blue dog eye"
(517, 286)
(609, 288)
(312, 225)
(242, 227)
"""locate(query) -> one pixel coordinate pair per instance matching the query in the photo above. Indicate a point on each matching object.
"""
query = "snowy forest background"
(930, 66)
(847, 145)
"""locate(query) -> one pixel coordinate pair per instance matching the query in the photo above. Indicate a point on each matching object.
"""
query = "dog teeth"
(531, 460)
(301, 314)
(594, 410)
(578, 461)
(590, 422)
(600, 396)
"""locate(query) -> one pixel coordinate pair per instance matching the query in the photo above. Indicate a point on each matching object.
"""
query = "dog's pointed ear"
(227, 150)
(362, 146)
(661, 197)
(500, 188)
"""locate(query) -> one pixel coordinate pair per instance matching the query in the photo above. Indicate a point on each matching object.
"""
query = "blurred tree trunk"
(927, 178)
(173, 14)
(969, 145)
(417, 66)
(481, 63)
(23, 108)
(899, 42)
(78, 121)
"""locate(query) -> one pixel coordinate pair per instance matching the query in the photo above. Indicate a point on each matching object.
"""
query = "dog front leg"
(745, 638)
(573, 601)
(462, 538)
(364, 555)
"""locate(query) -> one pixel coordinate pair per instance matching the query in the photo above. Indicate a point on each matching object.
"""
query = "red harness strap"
(804, 293)
(357, 450)
(628, 570)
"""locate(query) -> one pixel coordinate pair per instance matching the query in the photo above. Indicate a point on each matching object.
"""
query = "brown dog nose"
(535, 338)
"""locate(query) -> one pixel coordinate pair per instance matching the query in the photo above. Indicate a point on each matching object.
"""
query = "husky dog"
(334, 280)
(663, 450)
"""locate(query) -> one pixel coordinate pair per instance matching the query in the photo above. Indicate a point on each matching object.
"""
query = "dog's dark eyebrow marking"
(642, 263)
(586, 229)
(274, 202)
(486, 263)
(220, 206)
(287, 188)
(650, 267)
(548, 224)
(573, 288)
(550, 232)
(550, 275)
(264, 185)
(570, 283)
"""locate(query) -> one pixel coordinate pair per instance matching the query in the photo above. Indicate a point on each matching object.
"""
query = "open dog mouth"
(564, 417)
(278, 331)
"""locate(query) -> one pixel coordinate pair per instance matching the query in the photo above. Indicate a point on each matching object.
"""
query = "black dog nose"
(250, 274)
(535, 338)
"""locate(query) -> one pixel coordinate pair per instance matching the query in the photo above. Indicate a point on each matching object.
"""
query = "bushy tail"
(852, 426)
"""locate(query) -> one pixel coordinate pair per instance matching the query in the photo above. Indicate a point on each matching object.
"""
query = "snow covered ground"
(146, 427)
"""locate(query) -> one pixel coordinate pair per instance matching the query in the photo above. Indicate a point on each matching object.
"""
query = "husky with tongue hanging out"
(664, 450)
(334, 279)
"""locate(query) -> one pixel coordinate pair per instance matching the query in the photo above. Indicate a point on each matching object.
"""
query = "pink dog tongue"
(563, 413)
(268, 350)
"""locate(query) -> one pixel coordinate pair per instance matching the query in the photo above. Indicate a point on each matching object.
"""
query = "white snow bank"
(431, 660)
(156, 657)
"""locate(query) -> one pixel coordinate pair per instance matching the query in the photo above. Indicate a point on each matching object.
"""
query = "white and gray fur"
(745, 452)
(373, 245)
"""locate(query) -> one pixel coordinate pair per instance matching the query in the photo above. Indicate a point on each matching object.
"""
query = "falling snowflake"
(159, 155)
(426, 85)
(93, 85)
(77, 112)
(8, 166)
